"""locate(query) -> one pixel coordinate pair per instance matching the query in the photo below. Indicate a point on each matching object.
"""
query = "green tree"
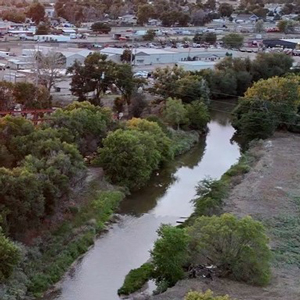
(129, 157)
(145, 11)
(225, 9)
(237, 247)
(10, 129)
(175, 113)
(233, 40)
(198, 115)
(36, 12)
(268, 65)
(93, 78)
(100, 27)
(9, 257)
(163, 143)
(263, 108)
(210, 38)
(170, 254)
(7, 100)
(127, 56)
(42, 29)
(208, 295)
(150, 35)
(83, 124)
(21, 200)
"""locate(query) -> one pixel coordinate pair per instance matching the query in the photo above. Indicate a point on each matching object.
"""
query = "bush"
(208, 295)
(136, 278)
(170, 254)
(9, 257)
(210, 194)
(237, 247)
(183, 141)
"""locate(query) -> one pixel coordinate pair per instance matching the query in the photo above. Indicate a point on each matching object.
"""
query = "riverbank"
(50, 255)
(269, 192)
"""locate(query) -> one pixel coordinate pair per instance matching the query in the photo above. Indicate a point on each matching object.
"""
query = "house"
(50, 11)
(128, 19)
(246, 18)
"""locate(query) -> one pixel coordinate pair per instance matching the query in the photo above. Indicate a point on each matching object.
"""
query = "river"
(166, 198)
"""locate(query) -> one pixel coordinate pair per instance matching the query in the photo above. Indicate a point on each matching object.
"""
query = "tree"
(36, 12)
(125, 81)
(145, 12)
(127, 56)
(13, 16)
(233, 40)
(210, 4)
(170, 254)
(10, 129)
(49, 67)
(31, 96)
(210, 38)
(198, 115)
(259, 26)
(129, 157)
(165, 81)
(85, 125)
(286, 26)
(208, 295)
(21, 200)
(175, 112)
(100, 27)
(198, 38)
(137, 105)
(237, 247)
(268, 65)
(9, 257)
(93, 78)
(225, 10)
(163, 143)
(7, 101)
(150, 35)
(42, 29)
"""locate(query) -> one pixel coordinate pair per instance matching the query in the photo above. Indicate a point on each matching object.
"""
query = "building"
(196, 65)
(52, 38)
(150, 56)
(246, 18)
(282, 43)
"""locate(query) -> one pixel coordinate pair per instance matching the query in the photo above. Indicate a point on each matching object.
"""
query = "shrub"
(208, 295)
(210, 194)
(237, 247)
(136, 278)
(9, 257)
(169, 254)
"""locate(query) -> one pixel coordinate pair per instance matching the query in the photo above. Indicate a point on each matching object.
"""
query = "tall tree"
(36, 12)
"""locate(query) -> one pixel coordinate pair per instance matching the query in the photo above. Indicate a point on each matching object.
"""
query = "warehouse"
(196, 65)
(151, 56)
(282, 43)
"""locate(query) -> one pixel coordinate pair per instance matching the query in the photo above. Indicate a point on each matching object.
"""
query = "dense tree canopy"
(36, 12)
(129, 157)
(237, 247)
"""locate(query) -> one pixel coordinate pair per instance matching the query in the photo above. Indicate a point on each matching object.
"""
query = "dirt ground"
(270, 193)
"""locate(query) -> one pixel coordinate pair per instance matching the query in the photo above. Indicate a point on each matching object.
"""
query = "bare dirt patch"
(270, 192)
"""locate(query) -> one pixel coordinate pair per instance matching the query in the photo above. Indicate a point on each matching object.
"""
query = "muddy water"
(167, 198)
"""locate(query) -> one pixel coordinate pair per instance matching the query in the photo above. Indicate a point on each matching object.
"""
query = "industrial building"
(282, 43)
(151, 56)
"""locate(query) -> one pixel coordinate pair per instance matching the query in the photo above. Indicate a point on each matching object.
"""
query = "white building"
(150, 56)
(196, 65)
(52, 38)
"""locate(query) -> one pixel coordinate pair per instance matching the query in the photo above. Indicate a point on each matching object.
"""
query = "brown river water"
(99, 274)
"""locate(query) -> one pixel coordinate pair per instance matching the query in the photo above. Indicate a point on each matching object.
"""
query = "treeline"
(233, 76)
